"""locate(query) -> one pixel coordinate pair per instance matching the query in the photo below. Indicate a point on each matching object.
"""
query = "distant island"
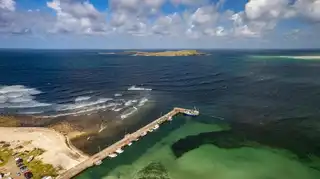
(168, 53)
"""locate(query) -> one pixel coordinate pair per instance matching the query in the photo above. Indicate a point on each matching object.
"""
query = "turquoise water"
(154, 157)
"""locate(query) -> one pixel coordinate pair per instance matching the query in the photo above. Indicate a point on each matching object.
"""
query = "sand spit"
(305, 57)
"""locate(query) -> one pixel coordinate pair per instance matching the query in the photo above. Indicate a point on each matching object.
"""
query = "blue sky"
(134, 24)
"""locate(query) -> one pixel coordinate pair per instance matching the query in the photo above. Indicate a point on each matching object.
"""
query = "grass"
(5, 154)
(37, 167)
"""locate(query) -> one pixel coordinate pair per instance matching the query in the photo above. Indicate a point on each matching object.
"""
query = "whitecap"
(130, 112)
(134, 88)
(19, 96)
(143, 101)
(81, 104)
(130, 102)
(117, 95)
(82, 98)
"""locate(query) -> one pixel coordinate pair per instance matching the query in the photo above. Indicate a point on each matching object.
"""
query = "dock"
(97, 158)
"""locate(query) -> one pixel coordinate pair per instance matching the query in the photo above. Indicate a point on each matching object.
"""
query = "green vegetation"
(37, 167)
(170, 53)
(5, 154)
(7, 121)
(154, 170)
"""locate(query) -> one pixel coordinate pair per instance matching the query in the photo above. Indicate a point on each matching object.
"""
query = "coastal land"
(52, 153)
(167, 53)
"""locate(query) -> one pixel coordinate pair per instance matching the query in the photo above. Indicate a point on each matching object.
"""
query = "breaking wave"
(19, 99)
(19, 96)
(134, 88)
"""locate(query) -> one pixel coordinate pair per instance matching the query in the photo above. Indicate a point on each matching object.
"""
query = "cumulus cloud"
(190, 2)
(79, 17)
(188, 18)
(309, 9)
(8, 5)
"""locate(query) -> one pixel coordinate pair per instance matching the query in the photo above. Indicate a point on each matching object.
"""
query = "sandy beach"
(58, 151)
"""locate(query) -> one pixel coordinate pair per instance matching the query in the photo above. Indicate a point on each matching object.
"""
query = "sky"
(164, 24)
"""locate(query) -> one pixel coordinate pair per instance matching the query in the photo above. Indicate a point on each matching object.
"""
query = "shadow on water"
(133, 152)
(298, 135)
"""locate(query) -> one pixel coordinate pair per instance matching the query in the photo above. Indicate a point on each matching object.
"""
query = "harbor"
(117, 148)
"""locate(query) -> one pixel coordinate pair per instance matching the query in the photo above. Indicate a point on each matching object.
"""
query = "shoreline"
(59, 151)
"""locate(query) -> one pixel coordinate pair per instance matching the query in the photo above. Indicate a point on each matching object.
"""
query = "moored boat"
(156, 127)
(99, 162)
(113, 155)
(129, 144)
(119, 151)
(144, 133)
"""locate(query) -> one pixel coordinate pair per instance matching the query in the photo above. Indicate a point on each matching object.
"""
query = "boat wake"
(22, 100)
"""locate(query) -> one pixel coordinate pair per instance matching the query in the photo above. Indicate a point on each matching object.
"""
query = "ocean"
(259, 116)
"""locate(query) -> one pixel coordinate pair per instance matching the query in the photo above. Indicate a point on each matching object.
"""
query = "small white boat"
(113, 155)
(99, 162)
(150, 130)
(170, 118)
(156, 127)
(144, 133)
(136, 139)
(191, 112)
(130, 144)
(119, 151)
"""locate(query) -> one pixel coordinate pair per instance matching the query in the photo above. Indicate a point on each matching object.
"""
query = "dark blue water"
(227, 83)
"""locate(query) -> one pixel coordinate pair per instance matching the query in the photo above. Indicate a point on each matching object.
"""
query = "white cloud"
(190, 2)
(266, 9)
(204, 15)
(8, 5)
(309, 9)
(78, 17)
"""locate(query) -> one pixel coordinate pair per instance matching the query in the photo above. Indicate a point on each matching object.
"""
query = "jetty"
(127, 140)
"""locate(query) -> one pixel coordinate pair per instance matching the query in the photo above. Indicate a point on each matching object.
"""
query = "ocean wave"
(82, 98)
(19, 96)
(19, 99)
(130, 102)
(143, 101)
(135, 88)
(80, 104)
(117, 95)
(128, 113)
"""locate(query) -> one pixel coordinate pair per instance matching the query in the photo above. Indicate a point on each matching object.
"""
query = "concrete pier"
(122, 143)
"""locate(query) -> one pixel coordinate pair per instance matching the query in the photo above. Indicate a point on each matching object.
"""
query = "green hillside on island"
(170, 53)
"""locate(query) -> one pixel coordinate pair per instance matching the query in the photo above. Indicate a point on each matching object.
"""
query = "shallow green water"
(153, 157)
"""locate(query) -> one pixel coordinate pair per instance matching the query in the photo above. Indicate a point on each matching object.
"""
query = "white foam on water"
(20, 99)
(19, 96)
(117, 109)
(143, 101)
(130, 102)
(130, 112)
(135, 88)
(82, 98)
(81, 104)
